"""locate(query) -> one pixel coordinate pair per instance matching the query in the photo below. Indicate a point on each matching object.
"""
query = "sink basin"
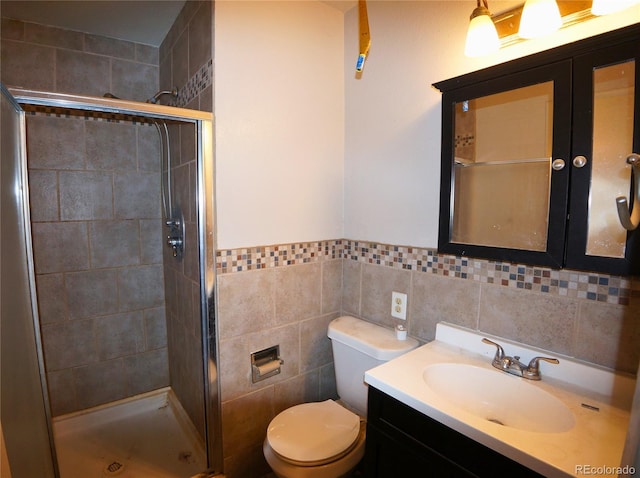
(498, 397)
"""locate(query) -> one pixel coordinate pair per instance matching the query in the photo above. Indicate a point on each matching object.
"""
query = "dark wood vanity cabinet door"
(402, 442)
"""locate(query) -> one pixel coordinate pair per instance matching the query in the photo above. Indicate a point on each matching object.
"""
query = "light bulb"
(539, 18)
(482, 37)
(604, 7)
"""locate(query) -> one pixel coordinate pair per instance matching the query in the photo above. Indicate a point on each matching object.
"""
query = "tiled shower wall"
(95, 209)
(46, 58)
(287, 294)
(185, 63)
(96, 236)
(182, 280)
(186, 57)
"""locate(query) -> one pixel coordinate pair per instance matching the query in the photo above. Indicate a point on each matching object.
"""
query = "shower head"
(173, 93)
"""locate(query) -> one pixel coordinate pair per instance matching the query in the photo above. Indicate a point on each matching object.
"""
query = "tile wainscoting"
(563, 283)
(287, 294)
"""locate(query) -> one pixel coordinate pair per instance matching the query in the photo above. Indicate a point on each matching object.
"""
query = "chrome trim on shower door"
(24, 405)
(206, 231)
(203, 122)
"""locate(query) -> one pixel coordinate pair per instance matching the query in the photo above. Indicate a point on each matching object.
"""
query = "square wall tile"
(315, 345)
(43, 195)
(100, 383)
(120, 335)
(246, 302)
(52, 36)
(298, 292)
(85, 195)
(61, 246)
(609, 334)
(69, 344)
(55, 143)
(155, 328)
(82, 73)
(149, 148)
(111, 146)
(137, 195)
(151, 241)
(303, 388)
(378, 283)
(147, 371)
(528, 317)
(135, 81)
(109, 47)
(62, 392)
(27, 66)
(245, 420)
(351, 287)
(52, 303)
(200, 37)
(114, 243)
(147, 54)
(91, 293)
(441, 299)
(141, 287)
(331, 286)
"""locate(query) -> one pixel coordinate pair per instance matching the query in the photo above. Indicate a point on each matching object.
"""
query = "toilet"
(326, 439)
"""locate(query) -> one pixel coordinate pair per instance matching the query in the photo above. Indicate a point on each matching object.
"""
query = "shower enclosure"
(118, 272)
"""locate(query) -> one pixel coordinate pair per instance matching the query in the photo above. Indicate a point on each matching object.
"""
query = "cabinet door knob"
(558, 164)
(579, 161)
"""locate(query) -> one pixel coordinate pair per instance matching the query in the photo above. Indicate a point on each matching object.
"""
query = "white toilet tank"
(357, 347)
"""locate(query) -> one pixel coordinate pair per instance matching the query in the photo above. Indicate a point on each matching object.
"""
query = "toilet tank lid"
(371, 339)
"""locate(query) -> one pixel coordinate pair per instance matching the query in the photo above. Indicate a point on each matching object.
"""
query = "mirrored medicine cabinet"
(535, 153)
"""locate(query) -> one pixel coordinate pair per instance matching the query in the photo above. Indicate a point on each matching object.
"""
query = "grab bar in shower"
(631, 219)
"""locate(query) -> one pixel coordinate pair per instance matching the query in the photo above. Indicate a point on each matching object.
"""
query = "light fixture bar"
(508, 22)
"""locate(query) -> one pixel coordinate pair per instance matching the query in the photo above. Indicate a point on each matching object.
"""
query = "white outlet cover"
(399, 305)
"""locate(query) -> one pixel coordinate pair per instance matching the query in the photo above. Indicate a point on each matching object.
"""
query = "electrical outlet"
(399, 305)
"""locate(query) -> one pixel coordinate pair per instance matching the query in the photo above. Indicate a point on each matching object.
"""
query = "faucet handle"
(497, 359)
(533, 370)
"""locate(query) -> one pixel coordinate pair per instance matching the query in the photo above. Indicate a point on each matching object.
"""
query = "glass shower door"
(24, 411)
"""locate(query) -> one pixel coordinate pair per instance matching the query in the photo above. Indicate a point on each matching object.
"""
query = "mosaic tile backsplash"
(565, 283)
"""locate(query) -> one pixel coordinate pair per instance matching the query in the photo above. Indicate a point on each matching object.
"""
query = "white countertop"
(596, 441)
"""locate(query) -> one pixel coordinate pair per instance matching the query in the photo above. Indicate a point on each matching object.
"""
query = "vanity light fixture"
(539, 18)
(514, 25)
(482, 36)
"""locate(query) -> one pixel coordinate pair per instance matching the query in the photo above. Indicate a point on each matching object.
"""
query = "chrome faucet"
(513, 365)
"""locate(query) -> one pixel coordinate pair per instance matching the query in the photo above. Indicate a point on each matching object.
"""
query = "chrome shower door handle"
(630, 220)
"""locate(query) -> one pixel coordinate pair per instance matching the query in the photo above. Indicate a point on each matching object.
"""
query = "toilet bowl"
(326, 439)
(315, 440)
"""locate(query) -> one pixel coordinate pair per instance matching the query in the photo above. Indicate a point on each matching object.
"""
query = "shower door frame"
(203, 122)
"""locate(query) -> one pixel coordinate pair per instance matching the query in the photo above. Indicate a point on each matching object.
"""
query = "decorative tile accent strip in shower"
(564, 283)
(196, 84)
(58, 112)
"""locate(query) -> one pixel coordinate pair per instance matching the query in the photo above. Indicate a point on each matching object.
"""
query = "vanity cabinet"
(534, 155)
(403, 442)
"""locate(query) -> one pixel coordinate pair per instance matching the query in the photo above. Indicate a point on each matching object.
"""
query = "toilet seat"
(312, 434)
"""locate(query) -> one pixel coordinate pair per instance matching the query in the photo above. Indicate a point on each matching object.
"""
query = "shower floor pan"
(146, 436)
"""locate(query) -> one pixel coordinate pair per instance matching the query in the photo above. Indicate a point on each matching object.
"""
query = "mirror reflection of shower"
(172, 214)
